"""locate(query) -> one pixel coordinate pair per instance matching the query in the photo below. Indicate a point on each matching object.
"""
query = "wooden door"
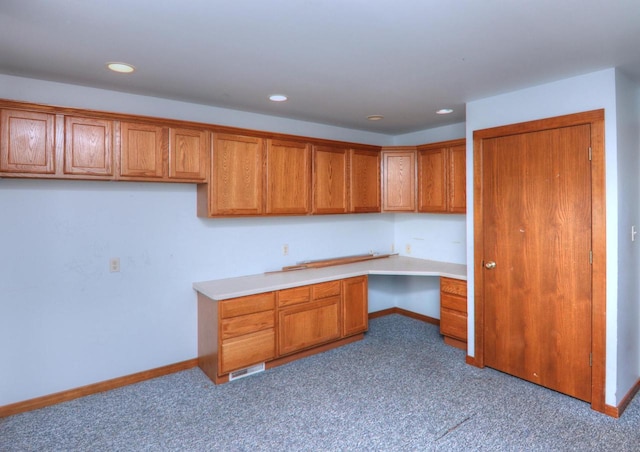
(188, 154)
(236, 186)
(288, 177)
(87, 149)
(399, 181)
(329, 180)
(308, 324)
(355, 309)
(142, 150)
(432, 180)
(457, 180)
(536, 217)
(364, 181)
(27, 142)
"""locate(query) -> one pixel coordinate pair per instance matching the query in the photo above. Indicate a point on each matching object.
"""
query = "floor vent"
(246, 372)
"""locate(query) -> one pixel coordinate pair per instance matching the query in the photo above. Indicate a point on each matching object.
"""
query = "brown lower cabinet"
(277, 327)
(453, 312)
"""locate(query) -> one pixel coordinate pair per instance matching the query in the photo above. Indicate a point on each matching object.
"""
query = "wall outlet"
(407, 248)
(114, 264)
(285, 250)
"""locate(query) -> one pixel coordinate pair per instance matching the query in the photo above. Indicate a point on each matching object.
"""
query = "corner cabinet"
(277, 327)
(398, 180)
(442, 177)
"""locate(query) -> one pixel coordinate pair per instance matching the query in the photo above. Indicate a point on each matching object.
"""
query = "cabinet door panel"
(453, 324)
(355, 309)
(88, 146)
(243, 351)
(27, 142)
(188, 154)
(399, 171)
(458, 179)
(142, 150)
(309, 324)
(329, 180)
(236, 177)
(364, 184)
(432, 180)
(288, 177)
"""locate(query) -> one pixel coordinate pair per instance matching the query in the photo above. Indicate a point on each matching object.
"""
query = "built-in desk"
(272, 318)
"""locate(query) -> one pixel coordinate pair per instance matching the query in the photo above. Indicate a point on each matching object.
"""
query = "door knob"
(490, 265)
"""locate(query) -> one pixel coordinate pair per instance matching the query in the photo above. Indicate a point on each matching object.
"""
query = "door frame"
(595, 119)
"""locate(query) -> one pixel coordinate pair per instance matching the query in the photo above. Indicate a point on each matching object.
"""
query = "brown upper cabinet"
(364, 181)
(143, 148)
(188, 154)
(442, 177)
(399, 179)
(27, 142)
(288, 182)
(330, 183)
(88, 148)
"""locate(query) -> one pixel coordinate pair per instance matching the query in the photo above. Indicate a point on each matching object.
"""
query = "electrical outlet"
(634, 231)
(407, 248)
(285, 250)
(114, 264)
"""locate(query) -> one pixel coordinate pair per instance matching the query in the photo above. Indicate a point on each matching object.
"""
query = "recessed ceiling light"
(122, 68)
(444, 111)
(375, 117)
(278, 97)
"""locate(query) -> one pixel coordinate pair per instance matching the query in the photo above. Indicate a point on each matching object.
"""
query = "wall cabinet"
(188, 154)
(27, 142)
(288, 181)
(364, 181)
(277, 327)
(88, 146)
(142, 150)
(330, 182)
(453, 312)
(442, 177)
(399, 179)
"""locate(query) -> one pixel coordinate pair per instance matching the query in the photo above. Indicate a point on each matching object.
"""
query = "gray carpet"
(400, 388)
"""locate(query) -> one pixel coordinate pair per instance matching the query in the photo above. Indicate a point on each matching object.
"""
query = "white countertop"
(222, 289)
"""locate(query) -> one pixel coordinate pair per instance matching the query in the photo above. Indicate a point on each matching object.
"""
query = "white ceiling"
(337, 60)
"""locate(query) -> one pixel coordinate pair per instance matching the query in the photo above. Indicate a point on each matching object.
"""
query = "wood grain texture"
(433, 179)
(330, 180)
(596, 318)
(27, 142)
(246, 350)
(355, 306)
(247, 305)
(189, 151)
(308, 324)
(143, 150)
(398, 180)
(288, 178)
(364, 181)
(457, 181)
(88, 146)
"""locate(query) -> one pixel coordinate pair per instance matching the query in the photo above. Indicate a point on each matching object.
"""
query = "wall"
(628, 113)
(577, 94)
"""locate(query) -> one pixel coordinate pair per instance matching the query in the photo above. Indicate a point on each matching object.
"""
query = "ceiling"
(339, 61)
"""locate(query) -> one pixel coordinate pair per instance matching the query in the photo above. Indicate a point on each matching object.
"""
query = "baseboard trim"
(413, 315)
(71, 394)
(616, 411)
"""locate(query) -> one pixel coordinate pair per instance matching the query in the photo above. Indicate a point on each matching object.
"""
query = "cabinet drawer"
(453, 324)
(243, 324)
(296, 295)
(247, 305)
(453, 302)
(307, 325)
(454, 286)
(325, 290)
(246, 350)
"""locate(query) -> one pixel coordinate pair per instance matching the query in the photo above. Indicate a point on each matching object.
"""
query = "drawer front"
(246, 350)
(247, 305)
(453, 324)
(453, 302)
(237, 326)
(454, 286)
(296, 295)
(325, 290)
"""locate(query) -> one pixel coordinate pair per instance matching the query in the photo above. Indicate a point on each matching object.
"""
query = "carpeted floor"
(400, 388)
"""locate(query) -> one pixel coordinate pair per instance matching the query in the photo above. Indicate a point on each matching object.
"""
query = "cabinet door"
(288, 177)
(399, 176)
(458, 179)
(27, 142)
(432, 180)
(364, 186)
(305, 325)
(88, 146)
(329, 180)
(244, 351)
(142, 150)
(188, 154)
(355, 309)
(236, 175)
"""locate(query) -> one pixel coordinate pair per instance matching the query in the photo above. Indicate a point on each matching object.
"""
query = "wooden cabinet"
(88, 146)
(364, 181)
(330, 182)
(355, 310)
(399, 180)
(442, 177)
(142, 150)
(453, 312)
(188, 154)
(288, 182)
(27, 142)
